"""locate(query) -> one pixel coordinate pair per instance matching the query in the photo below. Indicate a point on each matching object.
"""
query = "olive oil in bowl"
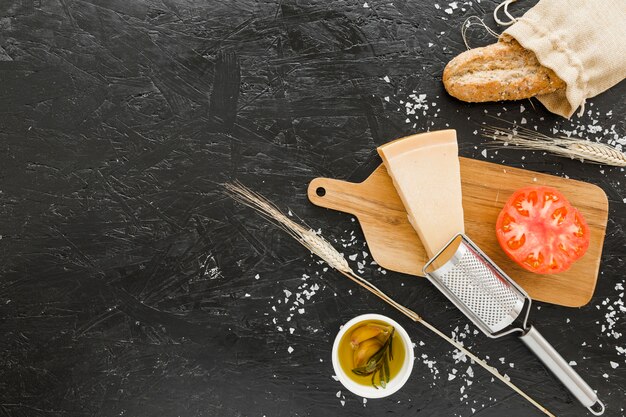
(372, 356)
(355, 353)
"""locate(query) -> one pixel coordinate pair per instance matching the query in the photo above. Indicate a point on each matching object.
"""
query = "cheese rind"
(426, 173)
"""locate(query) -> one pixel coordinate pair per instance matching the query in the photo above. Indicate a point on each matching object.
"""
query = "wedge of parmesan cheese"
(426, 173)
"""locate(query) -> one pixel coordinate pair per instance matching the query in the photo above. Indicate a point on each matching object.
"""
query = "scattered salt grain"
(290, 349)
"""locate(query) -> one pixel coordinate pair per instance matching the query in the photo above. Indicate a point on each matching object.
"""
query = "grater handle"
(562, 370)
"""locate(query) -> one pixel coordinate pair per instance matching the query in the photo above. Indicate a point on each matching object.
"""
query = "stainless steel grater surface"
(477, 287)
(493, 301)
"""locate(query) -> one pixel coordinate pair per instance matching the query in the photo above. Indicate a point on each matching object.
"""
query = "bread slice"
(502, 71)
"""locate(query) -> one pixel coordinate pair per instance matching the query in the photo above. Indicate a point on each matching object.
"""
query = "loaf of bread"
(502, 71)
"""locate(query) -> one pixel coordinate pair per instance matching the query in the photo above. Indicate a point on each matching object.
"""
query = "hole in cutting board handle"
(320, 191)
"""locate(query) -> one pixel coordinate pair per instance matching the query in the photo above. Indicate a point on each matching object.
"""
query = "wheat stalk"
(584, 150)
(322, 248)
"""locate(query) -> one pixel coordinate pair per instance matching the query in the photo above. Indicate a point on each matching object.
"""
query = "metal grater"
(493, 301)
(477, 286)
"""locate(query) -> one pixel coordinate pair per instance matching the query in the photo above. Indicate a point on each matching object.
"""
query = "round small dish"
(396, 382)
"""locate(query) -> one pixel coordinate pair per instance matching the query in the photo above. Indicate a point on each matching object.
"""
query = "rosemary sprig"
(385, 369)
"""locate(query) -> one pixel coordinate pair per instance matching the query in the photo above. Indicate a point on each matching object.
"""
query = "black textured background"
(130, 286)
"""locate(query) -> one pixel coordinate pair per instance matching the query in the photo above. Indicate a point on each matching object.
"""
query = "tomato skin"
(541, 231)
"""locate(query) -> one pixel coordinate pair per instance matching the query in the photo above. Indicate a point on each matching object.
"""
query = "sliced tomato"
(541, 231)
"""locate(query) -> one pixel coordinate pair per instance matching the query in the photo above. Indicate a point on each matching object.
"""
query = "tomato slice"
(541, 231)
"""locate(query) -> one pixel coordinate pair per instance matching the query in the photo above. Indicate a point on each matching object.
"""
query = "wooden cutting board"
(486, 187)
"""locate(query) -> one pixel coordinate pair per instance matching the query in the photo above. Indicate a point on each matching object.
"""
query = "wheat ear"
(584, 150)
(322, 248)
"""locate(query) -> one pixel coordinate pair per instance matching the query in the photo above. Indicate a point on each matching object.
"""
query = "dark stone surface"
(127, 283)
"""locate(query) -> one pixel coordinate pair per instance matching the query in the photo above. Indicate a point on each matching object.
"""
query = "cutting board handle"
(335, 194)
(356, 198)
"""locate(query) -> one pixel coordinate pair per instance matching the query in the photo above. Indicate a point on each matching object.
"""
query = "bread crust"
(501, 71)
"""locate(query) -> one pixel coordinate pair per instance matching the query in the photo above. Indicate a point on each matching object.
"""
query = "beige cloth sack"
(582, 41)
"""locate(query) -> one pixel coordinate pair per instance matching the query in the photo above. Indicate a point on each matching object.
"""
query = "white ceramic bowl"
(394, 384)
